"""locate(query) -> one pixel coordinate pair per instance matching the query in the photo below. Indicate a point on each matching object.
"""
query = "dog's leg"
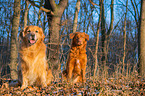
(49, 76)
(83, 74)
(70, 70)
(43, 79)
(25, 82)
(83, 71)
(69, 76)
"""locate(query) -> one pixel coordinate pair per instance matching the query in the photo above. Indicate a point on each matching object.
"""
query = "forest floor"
(120, 86)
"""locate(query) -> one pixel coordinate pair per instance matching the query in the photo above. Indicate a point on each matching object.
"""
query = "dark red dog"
(76, 65)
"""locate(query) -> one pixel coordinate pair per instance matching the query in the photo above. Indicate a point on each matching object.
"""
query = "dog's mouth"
(32, 39)
(79, 43)
(31, 42)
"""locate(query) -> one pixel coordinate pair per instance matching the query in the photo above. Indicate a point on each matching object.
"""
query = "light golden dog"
(76, 65)
(33, 64)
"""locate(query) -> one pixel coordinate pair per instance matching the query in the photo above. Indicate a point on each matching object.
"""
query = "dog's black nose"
(33, 36)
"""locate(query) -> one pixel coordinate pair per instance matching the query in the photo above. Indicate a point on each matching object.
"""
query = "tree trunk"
(104, 41)
(14, 42)
(97, 40)
(103, 32)
(26, 13)
(77, 8)
(124, 43)
(54, 28)
(106, 35)
(141, 39)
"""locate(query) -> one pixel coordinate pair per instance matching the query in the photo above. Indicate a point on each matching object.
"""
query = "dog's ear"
(43, 36)
(71, 35)
(22, 32)
(86, 36)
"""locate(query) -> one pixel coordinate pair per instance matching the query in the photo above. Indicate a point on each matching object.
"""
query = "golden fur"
(33, 64)
(76, 65)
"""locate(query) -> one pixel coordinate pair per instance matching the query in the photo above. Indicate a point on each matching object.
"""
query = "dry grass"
(114, 85)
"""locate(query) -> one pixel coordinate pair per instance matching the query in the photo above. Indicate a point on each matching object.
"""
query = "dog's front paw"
(23, 87)
(44, 85)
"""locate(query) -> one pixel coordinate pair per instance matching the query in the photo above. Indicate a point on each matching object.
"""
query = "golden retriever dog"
(33, 64)
(76, 64)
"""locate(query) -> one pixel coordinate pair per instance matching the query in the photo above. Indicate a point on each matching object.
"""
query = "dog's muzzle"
(78, 42)
(32, 39)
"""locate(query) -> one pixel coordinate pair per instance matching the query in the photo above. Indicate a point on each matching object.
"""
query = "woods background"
(113, 27)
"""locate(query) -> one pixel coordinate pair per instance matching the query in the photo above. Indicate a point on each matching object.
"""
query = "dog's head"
(31, 34)
(79, 38)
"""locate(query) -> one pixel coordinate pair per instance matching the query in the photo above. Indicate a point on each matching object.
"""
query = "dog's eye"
(36, 31)
(29, 31)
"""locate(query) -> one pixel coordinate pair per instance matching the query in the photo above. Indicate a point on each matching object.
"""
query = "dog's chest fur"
(33, 59)
(79, 55)
(76, 52)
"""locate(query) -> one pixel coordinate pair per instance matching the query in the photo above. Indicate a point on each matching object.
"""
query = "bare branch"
(93, 3)
(41, 8)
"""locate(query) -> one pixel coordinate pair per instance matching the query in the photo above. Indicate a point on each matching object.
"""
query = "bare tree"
(141, 39)
(106, 35)
(14, 43)
(54, 28)
(95, 55)
(97, 40)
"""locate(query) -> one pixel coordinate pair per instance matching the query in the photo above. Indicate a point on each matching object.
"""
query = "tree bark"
(54, 28)
(77, 8)
(141, 39)
(14, 42)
